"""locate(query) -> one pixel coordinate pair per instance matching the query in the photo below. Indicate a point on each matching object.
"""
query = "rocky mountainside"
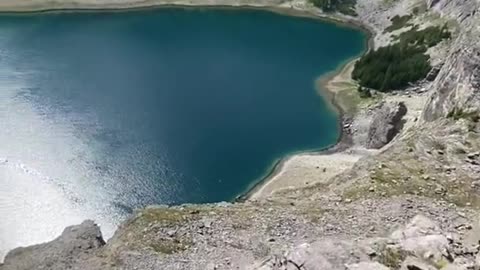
(412, 205)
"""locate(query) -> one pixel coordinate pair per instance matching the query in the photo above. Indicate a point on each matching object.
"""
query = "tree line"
(397, 65)
(343, 6)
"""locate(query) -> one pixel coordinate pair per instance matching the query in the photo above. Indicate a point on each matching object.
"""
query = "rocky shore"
(410, 204)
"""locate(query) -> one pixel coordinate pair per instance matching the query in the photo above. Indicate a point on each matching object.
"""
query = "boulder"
(367, 266)
(412, 263)
(75, 244)
(418, 226)
(386, 123)
(326, 254)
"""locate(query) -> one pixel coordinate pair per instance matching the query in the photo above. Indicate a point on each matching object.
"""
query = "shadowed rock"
(75, 244)
(386, 123)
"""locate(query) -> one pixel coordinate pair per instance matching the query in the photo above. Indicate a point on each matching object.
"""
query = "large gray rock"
(421, 237)
(417, 227)
(75, 244)
(415, 263)
(367, 266)
(432, 3)
(386, 123)
(325, 254)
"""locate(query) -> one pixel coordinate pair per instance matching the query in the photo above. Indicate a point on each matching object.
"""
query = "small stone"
(211, 266)
(449, 238)
(473, 155)
(428, 255)
(371, 253)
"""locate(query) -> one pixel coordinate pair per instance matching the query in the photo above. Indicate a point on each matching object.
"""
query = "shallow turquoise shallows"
(101, 113)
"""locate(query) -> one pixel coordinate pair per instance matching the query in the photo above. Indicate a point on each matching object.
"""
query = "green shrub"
(364, 92)
(346, 7)
(398, 22)
(429, 36)
(457, 114)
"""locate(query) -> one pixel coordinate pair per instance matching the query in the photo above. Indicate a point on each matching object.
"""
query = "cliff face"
(457, 87)
(432, 168)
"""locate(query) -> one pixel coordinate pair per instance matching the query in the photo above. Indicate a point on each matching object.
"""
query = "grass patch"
(398, 22)
(165, 216)
(314, 215)
(348, 99)
(458, 114)
(170, 246)
(424, 38)
(392, 257)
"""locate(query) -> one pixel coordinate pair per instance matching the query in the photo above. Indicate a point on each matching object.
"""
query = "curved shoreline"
(344, 140)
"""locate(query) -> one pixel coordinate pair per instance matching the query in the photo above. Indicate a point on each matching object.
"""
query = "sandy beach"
(306, 169)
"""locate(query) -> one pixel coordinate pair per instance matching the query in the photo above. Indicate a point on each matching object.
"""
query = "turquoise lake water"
(101, 113)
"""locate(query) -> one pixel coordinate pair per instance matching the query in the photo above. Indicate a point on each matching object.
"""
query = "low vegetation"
(398, 65)
(392, 257)
(364, 92)
(398, 22)
(346, 7)
(457, 114)
(425, 38)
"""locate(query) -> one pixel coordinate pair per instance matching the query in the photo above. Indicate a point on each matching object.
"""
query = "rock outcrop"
(420, 245)
(457, 87)
(76, 244)
(386, 123)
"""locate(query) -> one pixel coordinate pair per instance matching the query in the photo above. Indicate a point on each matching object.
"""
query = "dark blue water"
(105, 112)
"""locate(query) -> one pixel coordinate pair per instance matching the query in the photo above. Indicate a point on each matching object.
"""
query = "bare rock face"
(431, 3)
(386, 123)
(457, 86)
(75, 244)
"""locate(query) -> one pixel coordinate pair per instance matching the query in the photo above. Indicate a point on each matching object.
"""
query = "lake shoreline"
(329, 93)
(344, 140)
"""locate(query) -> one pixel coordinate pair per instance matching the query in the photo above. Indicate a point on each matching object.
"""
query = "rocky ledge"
(421, 244)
